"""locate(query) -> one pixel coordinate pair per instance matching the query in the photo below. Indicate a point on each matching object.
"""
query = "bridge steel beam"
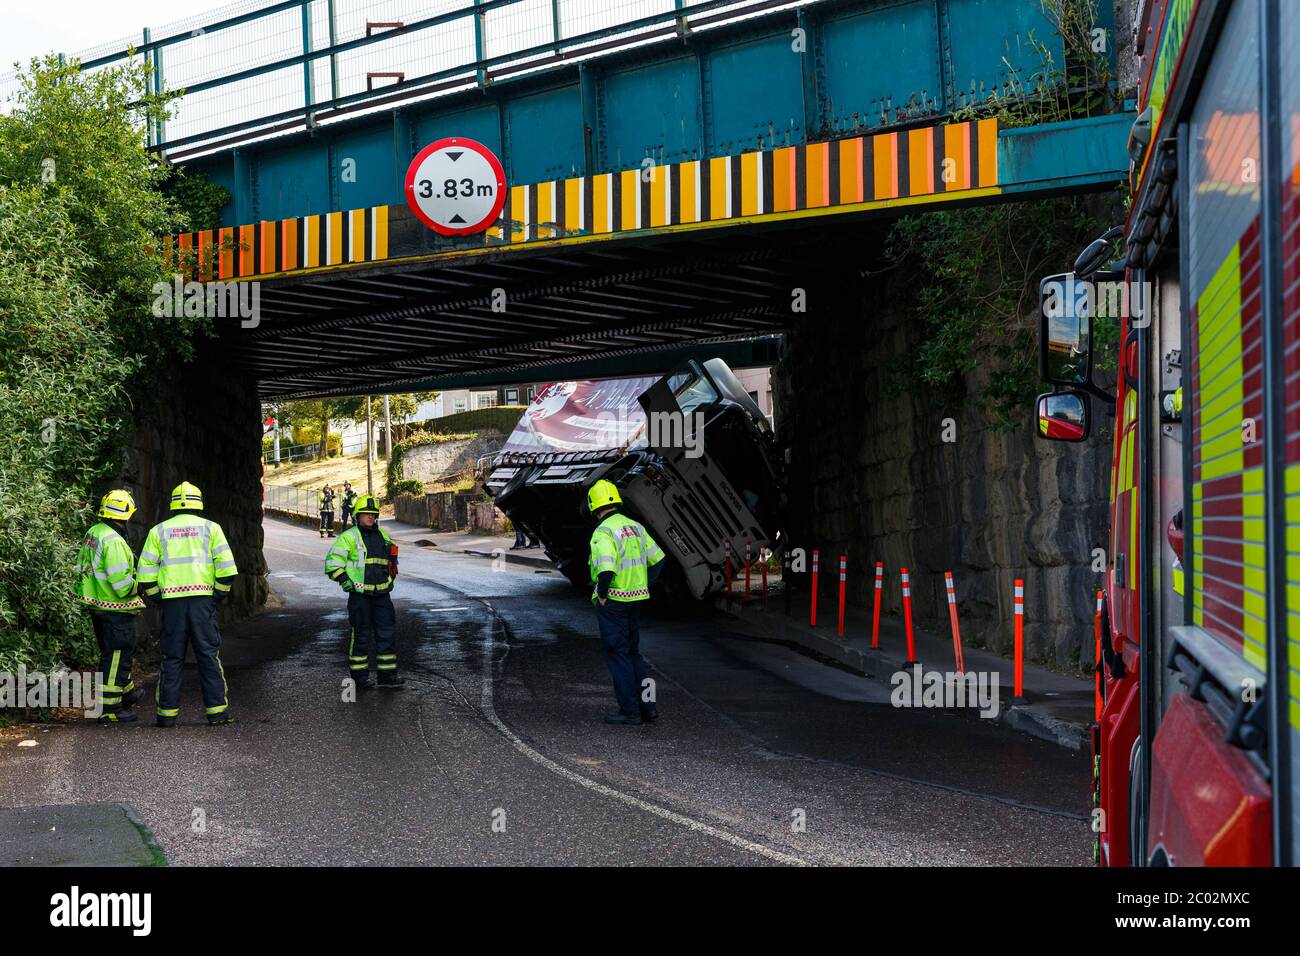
(692, 95)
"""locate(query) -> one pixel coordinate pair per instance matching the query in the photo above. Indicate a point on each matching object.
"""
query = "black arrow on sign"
(456, 218)
(454, 156)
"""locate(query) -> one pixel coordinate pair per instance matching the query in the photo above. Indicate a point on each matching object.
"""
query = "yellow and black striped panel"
(284, 245)
(884, 167)
(919, 165)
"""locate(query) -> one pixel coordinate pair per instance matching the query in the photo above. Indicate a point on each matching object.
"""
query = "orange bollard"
(907, 618)
(843, 575)
(749, 559)
(875, 613)
(1019, 691)
(812, 619)
(1097, 677)
(956, 628)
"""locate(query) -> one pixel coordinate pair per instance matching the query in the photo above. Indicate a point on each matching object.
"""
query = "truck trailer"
(692, 454)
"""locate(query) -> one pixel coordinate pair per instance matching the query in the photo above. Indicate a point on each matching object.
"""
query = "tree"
(320, 412)
(80, 211)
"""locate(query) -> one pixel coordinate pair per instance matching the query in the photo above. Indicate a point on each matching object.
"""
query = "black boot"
(391, 680)
(622, 718)
(216, 720)
(165, 721)
(119, 717)
(362, 680)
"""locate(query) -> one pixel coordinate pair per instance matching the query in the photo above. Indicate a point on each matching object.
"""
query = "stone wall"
(204, 426)
(434, 461)
(871, 477)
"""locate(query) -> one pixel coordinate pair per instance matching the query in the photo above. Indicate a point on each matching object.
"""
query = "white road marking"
(438, 610)
(739, 842)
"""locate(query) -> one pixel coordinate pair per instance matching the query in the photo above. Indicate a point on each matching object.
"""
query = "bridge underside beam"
(496, 318)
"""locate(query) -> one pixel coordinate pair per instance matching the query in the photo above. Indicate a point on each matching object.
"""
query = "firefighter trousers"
(620, 634)
(373, 628)
(115, 633)
(191, 621)
(326, 521)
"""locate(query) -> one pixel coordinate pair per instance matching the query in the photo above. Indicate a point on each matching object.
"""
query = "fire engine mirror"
(1063, 416)
(1065, 342)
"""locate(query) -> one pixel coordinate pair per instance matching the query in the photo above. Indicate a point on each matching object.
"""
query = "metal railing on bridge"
(348, 445)
(300, 501)
(258, 68)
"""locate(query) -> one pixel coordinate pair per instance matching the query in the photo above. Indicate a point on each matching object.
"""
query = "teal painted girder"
(784, 78)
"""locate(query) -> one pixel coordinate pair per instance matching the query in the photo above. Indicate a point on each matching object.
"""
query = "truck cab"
(697, 466)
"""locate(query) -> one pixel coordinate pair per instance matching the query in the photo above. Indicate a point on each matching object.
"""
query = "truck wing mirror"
(1063, 416)
(1065, 308)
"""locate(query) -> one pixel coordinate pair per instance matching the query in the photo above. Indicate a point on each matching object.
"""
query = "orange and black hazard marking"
(917, 165)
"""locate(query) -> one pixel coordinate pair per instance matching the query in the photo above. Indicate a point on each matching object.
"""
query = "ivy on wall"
(973, 274)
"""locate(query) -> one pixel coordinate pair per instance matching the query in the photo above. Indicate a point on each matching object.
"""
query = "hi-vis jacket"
(186, 556)
(348, 556)
(107, 569)
(623, 546)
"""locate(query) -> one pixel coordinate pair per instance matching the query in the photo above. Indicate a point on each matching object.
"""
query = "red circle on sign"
(473, 146)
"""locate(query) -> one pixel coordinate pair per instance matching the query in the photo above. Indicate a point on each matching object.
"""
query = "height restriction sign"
(456, 186)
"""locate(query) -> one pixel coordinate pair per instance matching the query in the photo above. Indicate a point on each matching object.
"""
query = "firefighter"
(107, 587)
(625, 560)
(186, 567)
(349, 502)
(363, 561)
(325, 501)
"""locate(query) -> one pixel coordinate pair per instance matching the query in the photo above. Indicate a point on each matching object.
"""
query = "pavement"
(1054, 706)
(471, 543)
(496, 753)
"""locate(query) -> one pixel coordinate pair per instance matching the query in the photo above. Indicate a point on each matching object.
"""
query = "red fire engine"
(1197, 743)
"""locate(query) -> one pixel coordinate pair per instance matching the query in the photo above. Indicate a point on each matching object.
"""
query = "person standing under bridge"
(624, 561)
(185, 570)
(107, 587)
(345, 508)
(325, 502)
(363, 561)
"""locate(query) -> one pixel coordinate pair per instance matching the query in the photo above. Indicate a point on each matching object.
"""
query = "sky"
(68, 26)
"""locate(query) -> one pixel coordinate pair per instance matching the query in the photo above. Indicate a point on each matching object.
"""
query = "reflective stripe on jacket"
(186, 556)
(106, 568)
(623, 546)
(348, 557)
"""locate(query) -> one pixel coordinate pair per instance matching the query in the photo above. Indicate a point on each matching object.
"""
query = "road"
(495, 753)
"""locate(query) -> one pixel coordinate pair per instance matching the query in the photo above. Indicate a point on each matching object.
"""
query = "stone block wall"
(871, 477)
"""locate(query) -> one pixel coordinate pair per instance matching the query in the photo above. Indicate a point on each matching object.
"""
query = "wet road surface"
(495, 752)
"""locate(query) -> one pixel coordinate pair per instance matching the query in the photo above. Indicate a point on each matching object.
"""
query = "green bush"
(498, 418)
(80, 209)
(406, 486)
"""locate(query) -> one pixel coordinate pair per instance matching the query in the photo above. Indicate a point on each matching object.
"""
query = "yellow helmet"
(601, 494)
(366, 505)
(186, 497)
(118, 505)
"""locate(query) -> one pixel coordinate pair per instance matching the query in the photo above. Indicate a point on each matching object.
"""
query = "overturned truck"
(691, 453)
